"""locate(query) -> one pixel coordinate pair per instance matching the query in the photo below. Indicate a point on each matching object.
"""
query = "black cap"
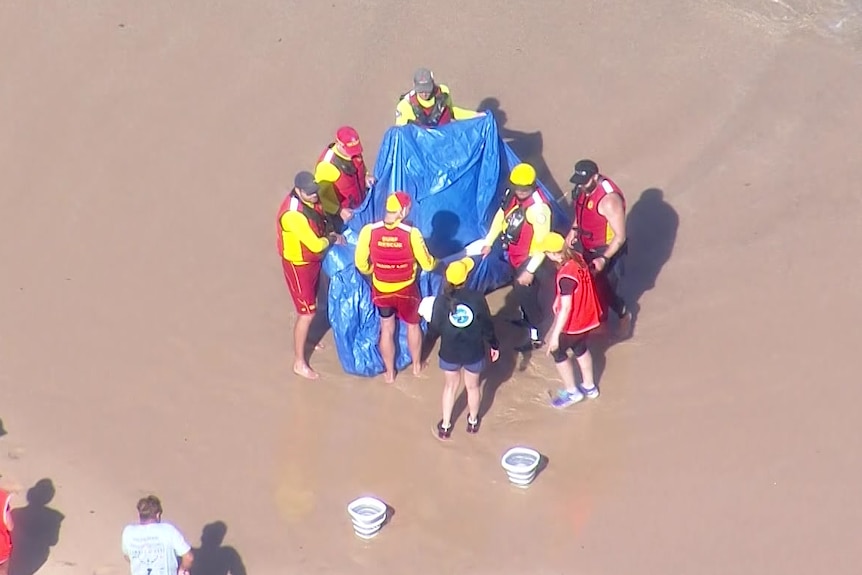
(584, 170)
(305, 182)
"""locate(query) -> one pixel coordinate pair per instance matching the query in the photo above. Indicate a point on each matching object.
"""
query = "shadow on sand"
(528, 146)
(213, 557)
(651, 228)
(37, 529)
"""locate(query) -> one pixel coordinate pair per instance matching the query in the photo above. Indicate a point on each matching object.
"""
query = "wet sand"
(145, 331)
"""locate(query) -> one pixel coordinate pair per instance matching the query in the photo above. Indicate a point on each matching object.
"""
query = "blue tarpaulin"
(456, 176)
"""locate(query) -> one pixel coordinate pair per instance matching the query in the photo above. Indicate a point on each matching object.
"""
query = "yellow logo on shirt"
(590, 205)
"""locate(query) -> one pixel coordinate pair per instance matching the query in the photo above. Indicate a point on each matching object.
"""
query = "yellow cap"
(457, 271)
(552, 243)
(326, 172)
(523, 175)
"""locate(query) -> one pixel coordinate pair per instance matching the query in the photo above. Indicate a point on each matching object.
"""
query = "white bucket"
(368, 515)
(521, 464)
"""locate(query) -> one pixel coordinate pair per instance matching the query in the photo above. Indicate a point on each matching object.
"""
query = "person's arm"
(7, 514)
(362, 255)
(183, 550)
(539, 215)
(124, 545)
(298, 224)
(613, 210)
(464, 113)
(186, 561)
(559, 321)
(488, 333)
(420, 251)
(495, 229)
(404, 112)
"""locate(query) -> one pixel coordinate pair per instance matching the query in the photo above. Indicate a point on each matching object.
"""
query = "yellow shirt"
(404, 111)
(537, 215)
(326, 174)
(362, 256)
(296, 232)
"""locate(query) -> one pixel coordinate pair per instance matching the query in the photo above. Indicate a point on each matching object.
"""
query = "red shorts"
(302, 281)
(404, 303)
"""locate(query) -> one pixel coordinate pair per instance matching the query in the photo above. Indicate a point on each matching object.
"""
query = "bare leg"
(567, 374)
(387, 346)
(585, 362)
(452, 381)
(300, 336)
(474, 395)
(414, 344)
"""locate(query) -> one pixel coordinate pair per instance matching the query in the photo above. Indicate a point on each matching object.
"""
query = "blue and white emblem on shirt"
(461, 317)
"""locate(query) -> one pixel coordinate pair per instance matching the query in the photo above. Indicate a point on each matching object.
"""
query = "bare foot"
(389, 377)
(418, 367)
(319, 345)
(303, 370)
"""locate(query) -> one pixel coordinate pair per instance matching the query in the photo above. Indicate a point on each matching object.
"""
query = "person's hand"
(572, 238)
(553, 345)
(525, 279)
(370, 180)
(599, 263)
(339, 240)
(495, 355)
(346, 214)
(485, 251)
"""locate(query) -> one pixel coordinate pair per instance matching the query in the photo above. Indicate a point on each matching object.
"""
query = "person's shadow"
(444, 229)
(526, 145)
(651, 228)
(37, 529)
(213, 557)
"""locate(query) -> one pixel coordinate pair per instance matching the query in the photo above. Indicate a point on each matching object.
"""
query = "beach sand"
(145, 329)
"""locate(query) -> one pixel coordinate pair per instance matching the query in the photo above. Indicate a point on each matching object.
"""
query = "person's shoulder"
(444, 88)
(608, 185)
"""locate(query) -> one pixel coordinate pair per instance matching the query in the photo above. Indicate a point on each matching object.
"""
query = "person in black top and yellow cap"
(462, 318)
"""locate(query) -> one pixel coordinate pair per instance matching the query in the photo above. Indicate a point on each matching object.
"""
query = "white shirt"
(153, 548)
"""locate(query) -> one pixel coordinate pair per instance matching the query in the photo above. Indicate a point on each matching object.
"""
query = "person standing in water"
(462, 318)
(577, 311)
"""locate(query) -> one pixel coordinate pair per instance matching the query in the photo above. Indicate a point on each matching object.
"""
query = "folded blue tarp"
(456, 175)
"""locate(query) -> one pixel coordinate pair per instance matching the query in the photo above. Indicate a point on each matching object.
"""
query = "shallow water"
(838, 19)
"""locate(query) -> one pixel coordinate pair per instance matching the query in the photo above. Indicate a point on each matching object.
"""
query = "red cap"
(349, 139)
(397, 202)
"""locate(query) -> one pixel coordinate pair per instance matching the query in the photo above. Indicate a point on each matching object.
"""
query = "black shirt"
(463, 334)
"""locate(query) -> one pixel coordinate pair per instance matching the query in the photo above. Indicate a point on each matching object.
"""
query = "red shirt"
(594, 232)
(586, 310)
(350, 185)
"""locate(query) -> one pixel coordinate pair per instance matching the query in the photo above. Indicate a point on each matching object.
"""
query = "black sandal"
(444, 432)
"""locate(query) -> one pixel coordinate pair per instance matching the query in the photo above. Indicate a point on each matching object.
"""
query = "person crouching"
(462, 318)
(577, 312)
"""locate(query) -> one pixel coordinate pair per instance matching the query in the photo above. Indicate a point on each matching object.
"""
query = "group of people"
(580, 273)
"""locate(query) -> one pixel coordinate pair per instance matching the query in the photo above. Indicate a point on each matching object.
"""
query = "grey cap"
(423, 80)
(305, 182)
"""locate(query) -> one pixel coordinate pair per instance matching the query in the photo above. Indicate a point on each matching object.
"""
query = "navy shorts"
(475, 367)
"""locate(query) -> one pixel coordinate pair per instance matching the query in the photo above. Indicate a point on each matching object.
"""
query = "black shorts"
(577, 342)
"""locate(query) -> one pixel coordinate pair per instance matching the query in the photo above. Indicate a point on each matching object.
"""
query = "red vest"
(515, 217)
(316, 219)
(5, 536)
(350, 185)
(439, 114)
(594, 231)
(391, 253)
(586, 312)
